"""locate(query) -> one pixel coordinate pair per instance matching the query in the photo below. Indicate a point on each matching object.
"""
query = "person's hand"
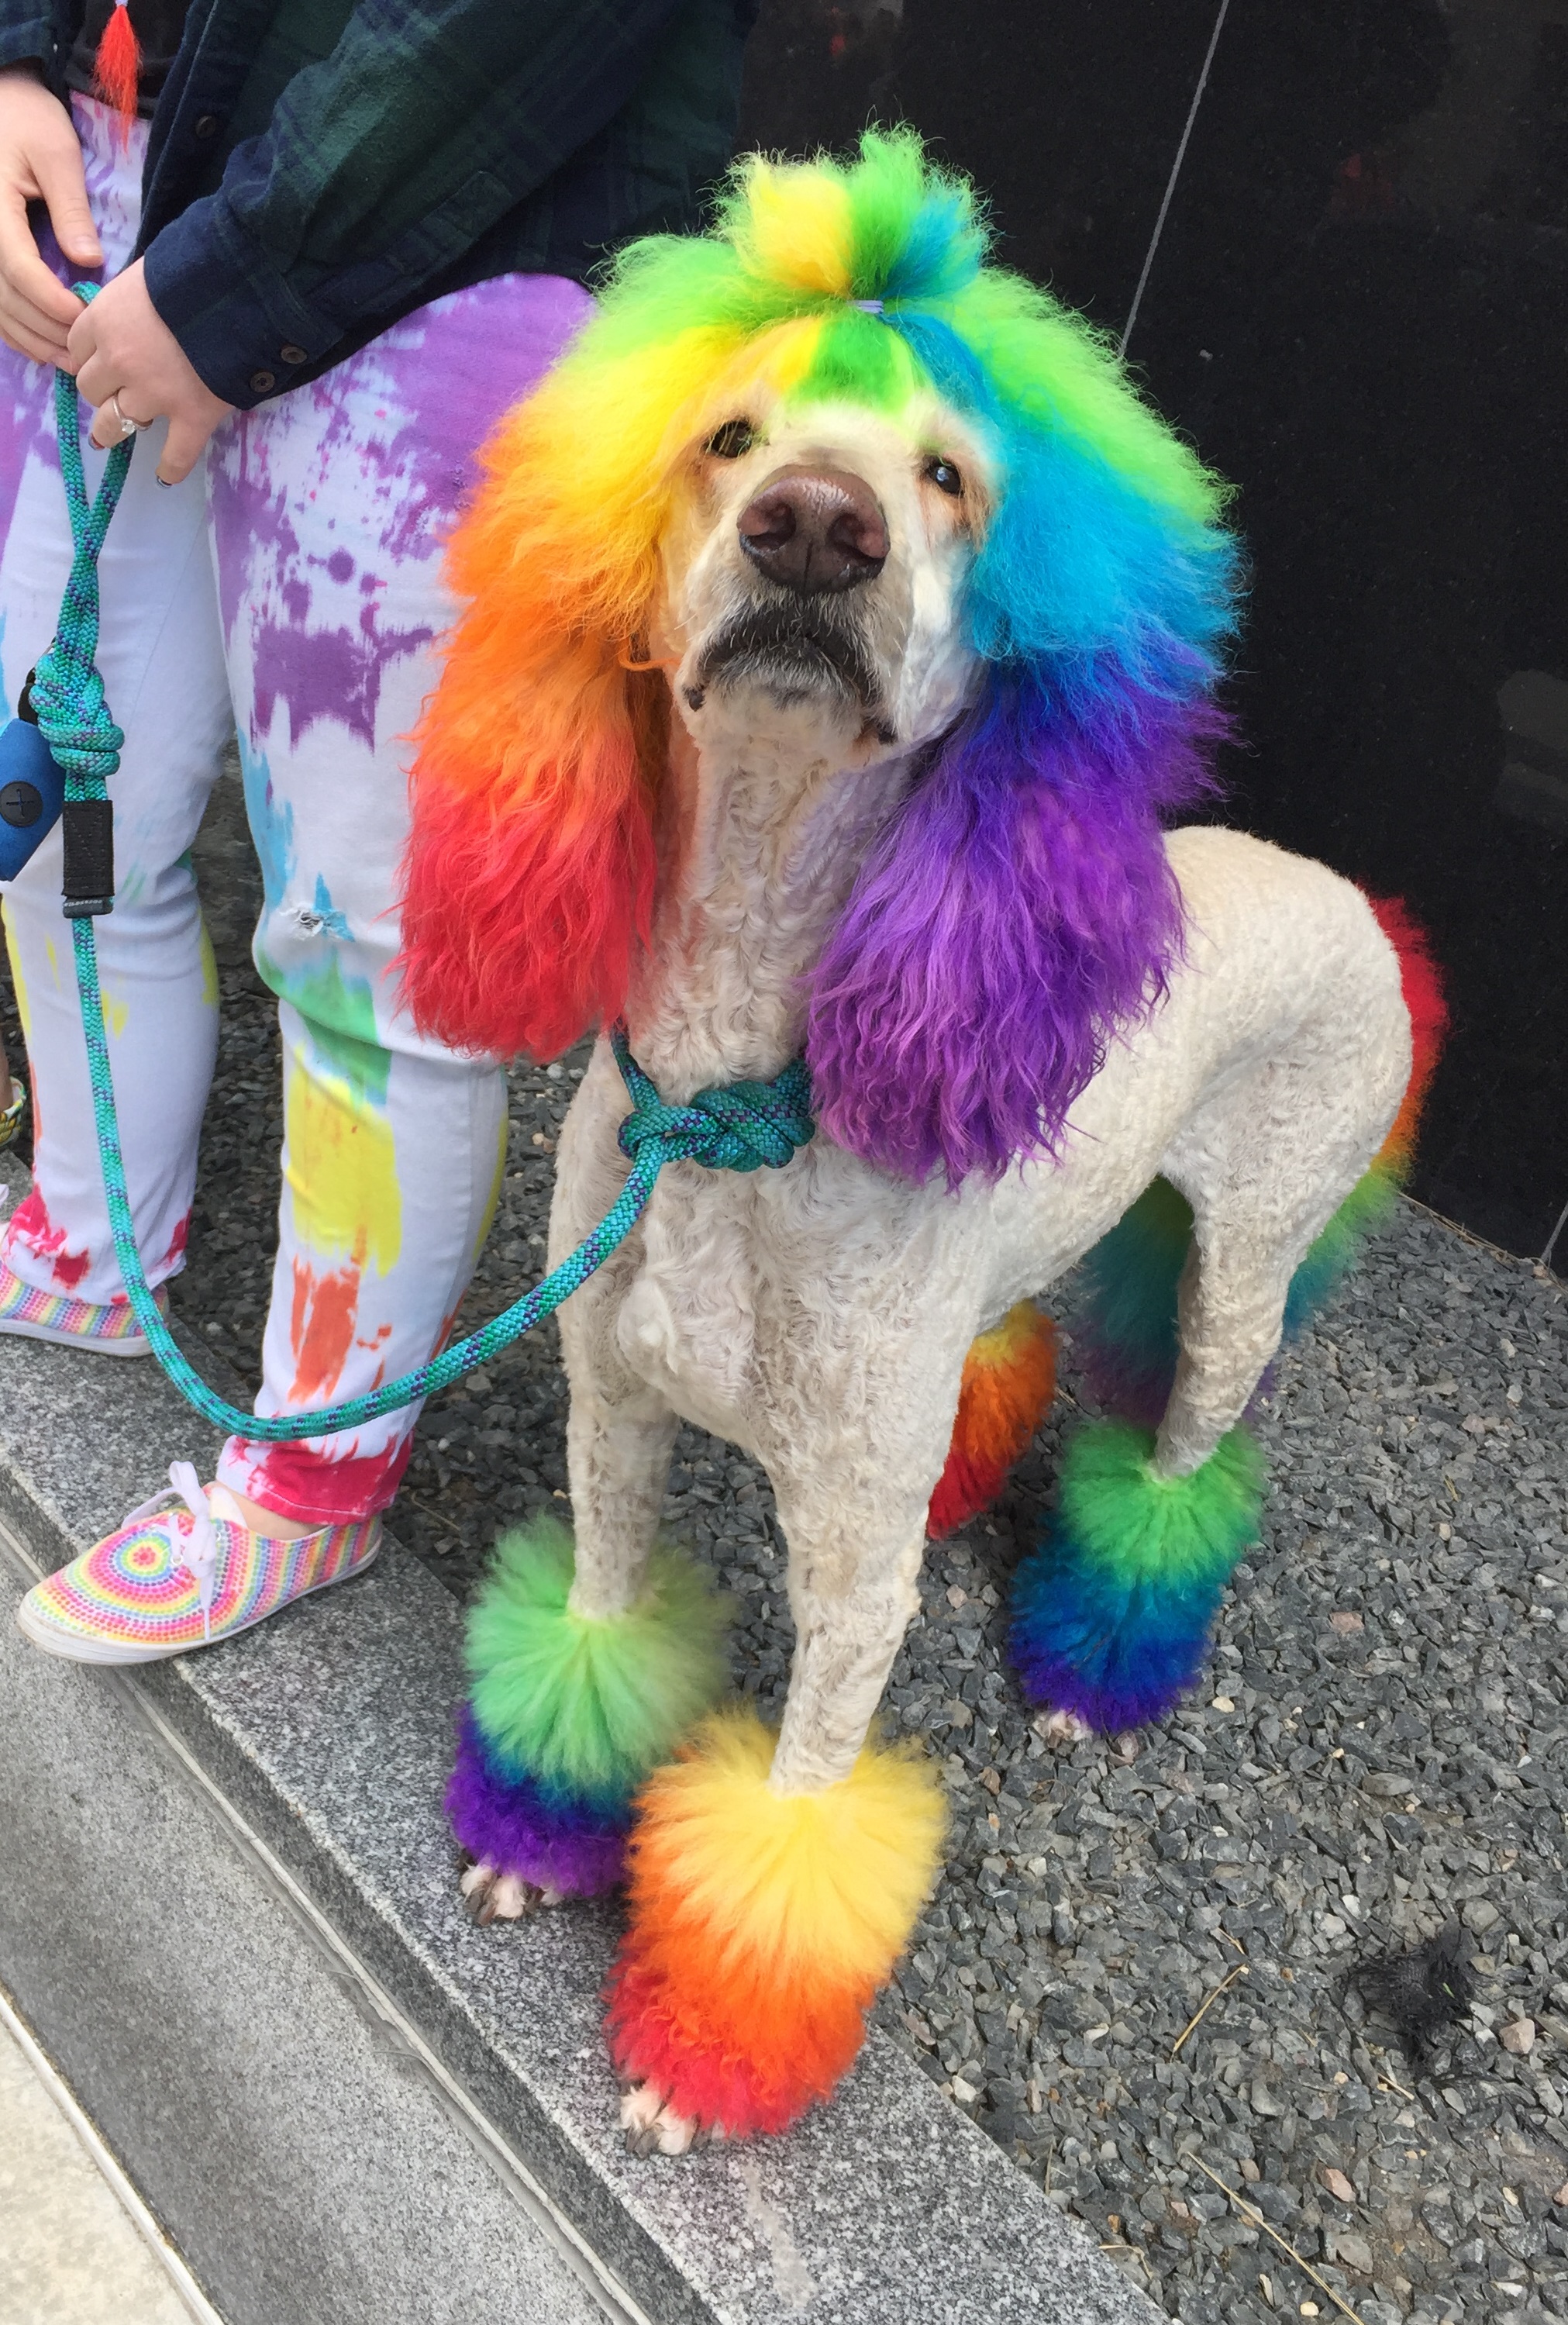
(121, 346)
(39, 161)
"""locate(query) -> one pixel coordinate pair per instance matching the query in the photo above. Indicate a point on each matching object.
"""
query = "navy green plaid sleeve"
(439, 140)
(26, 32)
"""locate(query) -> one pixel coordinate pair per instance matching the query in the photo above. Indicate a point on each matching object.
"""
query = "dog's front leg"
(590, 1656)
(774, 1885)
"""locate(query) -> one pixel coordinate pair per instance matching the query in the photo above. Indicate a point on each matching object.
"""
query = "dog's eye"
(733, 441)
(945, 477)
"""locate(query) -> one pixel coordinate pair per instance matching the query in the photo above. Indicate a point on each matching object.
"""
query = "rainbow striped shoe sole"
(135, 1598)
(67, 1323)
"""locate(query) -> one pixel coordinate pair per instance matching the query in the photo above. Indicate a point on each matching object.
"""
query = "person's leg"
(161, 657)
(327, 513)
(329, 510)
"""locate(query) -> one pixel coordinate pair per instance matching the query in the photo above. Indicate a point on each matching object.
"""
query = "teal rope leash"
(65, 687)
(748, 1126)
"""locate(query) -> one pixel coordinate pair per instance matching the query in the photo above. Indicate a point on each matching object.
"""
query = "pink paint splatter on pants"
(35, 1231)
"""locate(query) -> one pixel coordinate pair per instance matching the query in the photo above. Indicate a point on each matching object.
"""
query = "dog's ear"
(1017, 911)
(528, 874)
(1020, 908)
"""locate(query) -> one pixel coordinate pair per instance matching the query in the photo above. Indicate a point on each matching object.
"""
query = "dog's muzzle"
(793, 651)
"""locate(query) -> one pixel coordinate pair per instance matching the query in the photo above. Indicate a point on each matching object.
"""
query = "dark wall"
(1358, 309)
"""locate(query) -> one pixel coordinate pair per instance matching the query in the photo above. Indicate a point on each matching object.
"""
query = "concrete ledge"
(233, 1921)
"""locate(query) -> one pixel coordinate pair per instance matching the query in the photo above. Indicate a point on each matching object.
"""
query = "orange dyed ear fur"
(529, 876)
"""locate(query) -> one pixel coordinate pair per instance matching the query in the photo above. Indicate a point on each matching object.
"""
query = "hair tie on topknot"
(868, 306)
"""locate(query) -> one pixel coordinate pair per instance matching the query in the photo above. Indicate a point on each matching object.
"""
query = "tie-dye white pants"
(294, 593)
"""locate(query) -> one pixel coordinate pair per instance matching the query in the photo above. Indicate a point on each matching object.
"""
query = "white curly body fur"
(819, 1315)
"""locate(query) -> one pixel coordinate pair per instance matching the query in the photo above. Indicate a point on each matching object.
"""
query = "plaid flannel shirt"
(319, 168)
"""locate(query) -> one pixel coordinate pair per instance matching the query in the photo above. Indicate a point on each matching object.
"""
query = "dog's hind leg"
(590, 1657)
(775, 1883)
(1113, 1612)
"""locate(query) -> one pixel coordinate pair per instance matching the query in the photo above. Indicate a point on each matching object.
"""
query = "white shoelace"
(196, 1552)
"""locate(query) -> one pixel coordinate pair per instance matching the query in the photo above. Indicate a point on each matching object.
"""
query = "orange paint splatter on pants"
(321, 1327)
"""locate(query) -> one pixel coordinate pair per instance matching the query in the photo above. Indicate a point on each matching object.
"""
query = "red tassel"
(118, 64)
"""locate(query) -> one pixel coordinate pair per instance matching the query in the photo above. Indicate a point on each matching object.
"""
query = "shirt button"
(206, 126)
(262, 383)
(292, 354)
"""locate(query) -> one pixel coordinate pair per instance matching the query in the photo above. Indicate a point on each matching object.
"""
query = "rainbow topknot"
(1018, 908)
(763, 1925)
(568, 1713)
(1112, 1613)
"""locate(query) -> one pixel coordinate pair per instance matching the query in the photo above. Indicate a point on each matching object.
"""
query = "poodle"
(840, 638)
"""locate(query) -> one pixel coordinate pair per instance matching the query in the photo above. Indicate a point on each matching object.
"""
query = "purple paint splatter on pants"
(392, 434)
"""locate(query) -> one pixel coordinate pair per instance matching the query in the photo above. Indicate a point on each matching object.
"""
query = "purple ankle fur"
(509, 1823)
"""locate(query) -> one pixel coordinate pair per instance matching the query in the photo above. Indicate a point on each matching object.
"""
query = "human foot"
(170, 1579)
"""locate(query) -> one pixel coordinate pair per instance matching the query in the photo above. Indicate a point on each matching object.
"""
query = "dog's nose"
(815, 529)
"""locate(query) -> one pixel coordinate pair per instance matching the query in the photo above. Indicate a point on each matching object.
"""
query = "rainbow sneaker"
(172, 1579)
(55, 1316)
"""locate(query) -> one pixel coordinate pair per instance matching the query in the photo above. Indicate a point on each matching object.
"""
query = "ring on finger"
(123, 422)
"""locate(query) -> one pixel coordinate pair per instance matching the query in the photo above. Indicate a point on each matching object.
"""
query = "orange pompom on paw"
(763, 1925)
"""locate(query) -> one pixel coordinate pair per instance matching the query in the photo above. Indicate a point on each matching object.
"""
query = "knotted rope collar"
(744, 1126)
(748, 1126)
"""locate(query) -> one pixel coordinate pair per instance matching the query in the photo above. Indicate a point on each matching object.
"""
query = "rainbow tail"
(568, 1712)
(761, 1925)
(1009, 1377)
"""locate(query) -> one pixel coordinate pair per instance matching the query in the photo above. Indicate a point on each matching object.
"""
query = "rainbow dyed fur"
(569, 1712)
(1111, 1614)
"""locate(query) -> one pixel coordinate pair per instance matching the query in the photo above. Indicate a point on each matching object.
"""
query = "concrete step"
(229, 1914)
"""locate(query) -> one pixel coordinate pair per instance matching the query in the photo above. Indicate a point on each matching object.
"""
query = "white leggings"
(292, 590)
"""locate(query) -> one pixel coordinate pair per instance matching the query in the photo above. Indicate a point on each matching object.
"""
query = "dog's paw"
(653, 2129)
(492, 1896)
(1062, 1727)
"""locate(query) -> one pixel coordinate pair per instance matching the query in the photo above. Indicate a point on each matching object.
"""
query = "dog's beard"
(797, 653)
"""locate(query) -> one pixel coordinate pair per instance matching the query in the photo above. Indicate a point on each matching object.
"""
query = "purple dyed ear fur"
(1018, 910)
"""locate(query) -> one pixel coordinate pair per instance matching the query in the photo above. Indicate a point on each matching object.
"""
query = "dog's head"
(812, 574)
(825, 465)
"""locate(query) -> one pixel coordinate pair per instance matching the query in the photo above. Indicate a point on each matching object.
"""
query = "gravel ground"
(1382, 1748)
